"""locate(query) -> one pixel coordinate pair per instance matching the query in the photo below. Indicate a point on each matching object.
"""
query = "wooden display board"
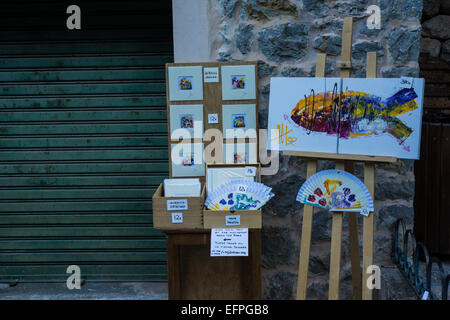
(212, 103)
(343, 162)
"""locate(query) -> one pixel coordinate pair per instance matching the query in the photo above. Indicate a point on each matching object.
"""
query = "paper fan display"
(239, 195)
(336, 190)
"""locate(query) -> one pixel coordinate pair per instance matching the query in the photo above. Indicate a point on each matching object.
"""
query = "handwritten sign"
(229, 242)
(173, 205)
(233, 221)
(211, 74)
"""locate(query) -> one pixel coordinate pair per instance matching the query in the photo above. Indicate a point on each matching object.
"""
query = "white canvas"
(186, 117)
(239, 117)
(378, 117)
(192, 77)
(386, 141)
(285, 93)
(238, 82)
(187, 160)
(239, 153)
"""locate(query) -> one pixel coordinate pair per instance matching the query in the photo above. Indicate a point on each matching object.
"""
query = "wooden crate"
(251, 219)
(163, 208)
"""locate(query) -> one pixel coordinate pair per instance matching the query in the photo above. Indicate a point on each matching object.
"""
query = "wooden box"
(167, 210)
(251, 219)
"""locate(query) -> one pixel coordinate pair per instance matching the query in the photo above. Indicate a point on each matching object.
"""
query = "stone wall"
(435, 40)
(284, 36)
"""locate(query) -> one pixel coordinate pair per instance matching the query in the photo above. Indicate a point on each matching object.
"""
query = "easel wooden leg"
(369, 179)
(335, 250)
(335, 256)
(305, 242)
(354, 243)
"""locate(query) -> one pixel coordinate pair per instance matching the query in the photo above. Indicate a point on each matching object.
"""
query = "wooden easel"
(343, 162)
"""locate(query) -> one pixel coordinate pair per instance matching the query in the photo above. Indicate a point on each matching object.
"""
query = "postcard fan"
(239, 195)
(336, 190)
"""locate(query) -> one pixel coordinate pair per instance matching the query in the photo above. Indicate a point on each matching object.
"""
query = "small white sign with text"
(173, 205)
(229, 242)
(211, 74)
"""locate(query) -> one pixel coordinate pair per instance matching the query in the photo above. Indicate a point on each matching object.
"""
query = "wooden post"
(305, 242)
(369, 181)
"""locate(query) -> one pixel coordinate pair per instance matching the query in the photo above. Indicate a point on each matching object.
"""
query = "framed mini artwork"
(239, 153)
(238, 82)
(185, 83)
(187, 160)
(186, 119)
(239, 116)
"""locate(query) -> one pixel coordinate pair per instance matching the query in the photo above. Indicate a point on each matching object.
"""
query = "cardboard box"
(177, 213)
(251, 219)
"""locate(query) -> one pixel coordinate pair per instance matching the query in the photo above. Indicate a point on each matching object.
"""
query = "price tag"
(177, 217)
(173, 205)
(406, 82)
(365, 212)
(232, 220)
(213, 118)
(242, 188)
(250, 171)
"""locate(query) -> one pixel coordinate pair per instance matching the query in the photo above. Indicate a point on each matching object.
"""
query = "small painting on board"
(187, 160)
(240, 157)
(238, 121)
(238, 82)
(374, 117)
(186, 121)
(185, 83)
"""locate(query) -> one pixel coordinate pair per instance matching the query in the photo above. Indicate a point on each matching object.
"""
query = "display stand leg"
(308, 211)
(305, 242)
(369, 175)
(369, 181)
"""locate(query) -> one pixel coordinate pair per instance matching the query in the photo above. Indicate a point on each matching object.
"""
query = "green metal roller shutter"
(83, 139)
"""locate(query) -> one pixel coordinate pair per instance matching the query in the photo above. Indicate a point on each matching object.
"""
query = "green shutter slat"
(61, 219)
(82, 75)
(6, 257)
(142, 60)
(76, 206)
(80, 88)
(97, 193)
(90, 142)
(93, 231)
(64, 181)
(83, 115)
(79, 244)
(69, 155)
(85, 168)
(84, 48)
(76, 102)
(90, 272)
(82, 128)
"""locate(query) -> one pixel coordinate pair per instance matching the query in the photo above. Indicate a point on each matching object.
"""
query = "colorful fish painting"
(353, 114)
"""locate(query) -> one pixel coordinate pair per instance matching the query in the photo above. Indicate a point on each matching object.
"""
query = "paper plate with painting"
(336, 190)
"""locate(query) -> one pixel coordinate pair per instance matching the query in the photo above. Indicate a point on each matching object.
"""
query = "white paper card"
(213, 118)
(173, 205)
(211, 74)
(229, 242)
(177, 217)
(232, 220)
